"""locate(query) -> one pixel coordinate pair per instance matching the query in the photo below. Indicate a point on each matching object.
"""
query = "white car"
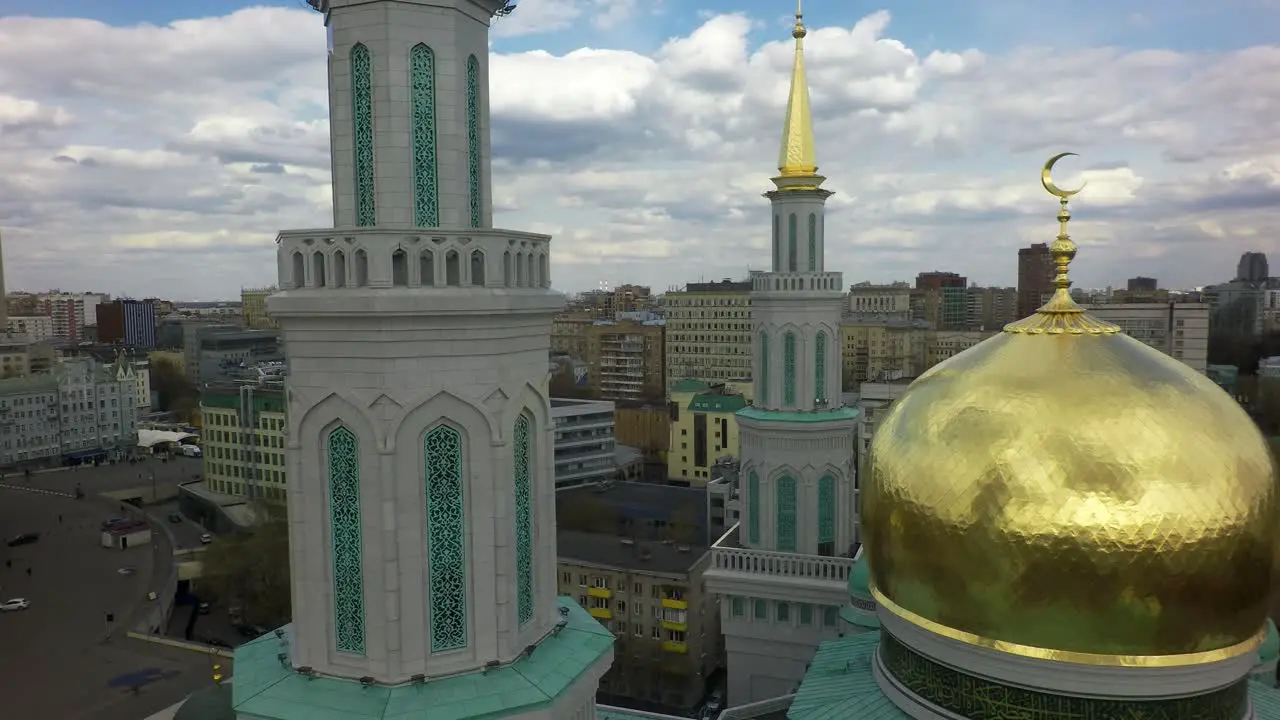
(205, 539)
(15, 604)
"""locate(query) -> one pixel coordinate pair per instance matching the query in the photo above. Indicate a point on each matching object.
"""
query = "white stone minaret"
(421, 498)
(797, 440)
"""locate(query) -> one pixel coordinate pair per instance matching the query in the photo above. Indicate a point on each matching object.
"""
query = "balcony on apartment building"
(744, 572)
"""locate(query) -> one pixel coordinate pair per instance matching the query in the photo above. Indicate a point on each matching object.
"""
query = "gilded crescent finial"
(1046, 178)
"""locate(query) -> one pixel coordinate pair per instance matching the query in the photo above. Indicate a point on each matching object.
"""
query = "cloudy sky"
(153, 147)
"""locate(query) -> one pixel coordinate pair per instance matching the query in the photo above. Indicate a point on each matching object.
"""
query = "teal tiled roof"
(717, 403)
(1265, 701)
(1270, 648)
(841, 413)
(860, 577)
(840, 685)
(265, 689)
(688, 385)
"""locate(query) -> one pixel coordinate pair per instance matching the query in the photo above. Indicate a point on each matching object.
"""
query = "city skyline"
(167, 173)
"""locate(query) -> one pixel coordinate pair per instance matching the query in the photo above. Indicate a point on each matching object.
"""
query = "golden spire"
(1061, 314)
(797, 157)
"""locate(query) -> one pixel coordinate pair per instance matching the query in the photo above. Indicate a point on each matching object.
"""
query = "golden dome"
(1064, 491)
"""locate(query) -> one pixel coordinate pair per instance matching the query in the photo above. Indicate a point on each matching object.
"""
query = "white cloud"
(648, 168)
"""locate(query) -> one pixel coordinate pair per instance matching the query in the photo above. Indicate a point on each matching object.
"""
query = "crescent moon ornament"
(1046, 178)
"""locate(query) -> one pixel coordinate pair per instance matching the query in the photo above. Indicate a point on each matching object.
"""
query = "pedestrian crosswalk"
(41, 491)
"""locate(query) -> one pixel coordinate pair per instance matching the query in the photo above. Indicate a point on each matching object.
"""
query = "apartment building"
(1180, 330)
(1035, 277)
(243, 436)
(67, 314)
(131, 323)
(584, 447)
(943, 345)
(704, 428)
(885, 302)
(569, 334)
(646, 427)
(875, 348)
(15, 356)
(625, 359)
(990, 308)
(29, 427)
(606, 304)
(709, 331)
(253, 308)
(99, 413)
(36, 328)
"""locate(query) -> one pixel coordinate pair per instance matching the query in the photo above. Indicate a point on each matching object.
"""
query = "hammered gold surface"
(1081, 493)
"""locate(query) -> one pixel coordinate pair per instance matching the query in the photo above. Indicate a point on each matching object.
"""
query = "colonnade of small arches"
(797, 283)
(434, 268)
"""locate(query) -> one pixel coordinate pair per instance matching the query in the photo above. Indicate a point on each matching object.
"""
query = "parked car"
(110, 523)
(203, 608)
(13, 604)
(24, 539)
(206, 538)
(175, 517)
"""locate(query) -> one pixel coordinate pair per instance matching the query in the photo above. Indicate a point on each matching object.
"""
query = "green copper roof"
(688, 385)
(840, 685)
(264, 689)
(860, 618)
(841, 413)
(717, 403)
(1265, 701)
(860, 577)
(1269, 651)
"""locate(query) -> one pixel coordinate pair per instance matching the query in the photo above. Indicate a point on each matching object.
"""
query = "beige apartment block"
(887, 302)
(881, 348)
(650, 594)
(569, 334)
(709, 331)
(625, 359)
(944, 344)
(34, 327)
(253, 308)
(243, 439)
(1180, 330)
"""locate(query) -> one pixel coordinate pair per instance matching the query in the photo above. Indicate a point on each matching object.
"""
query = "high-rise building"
(990, 308)
(131, 323)
(1142, 284)
(253, 308)
(1179, 330)
(1252, 267)
(945, 299)
(421, 498)
(625, 359)
(797, 476)
(709, 331)
(67, 313)
(1035, 277)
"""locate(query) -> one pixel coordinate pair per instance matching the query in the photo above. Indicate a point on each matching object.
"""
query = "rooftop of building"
(645, 511)
(613, 551)
(717, 402)
(29, 385)
(726, 285)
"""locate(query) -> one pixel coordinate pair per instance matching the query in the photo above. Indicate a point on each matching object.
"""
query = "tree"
(177, 393)
(252, 570)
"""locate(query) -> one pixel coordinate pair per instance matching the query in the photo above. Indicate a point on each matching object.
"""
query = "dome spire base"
(1061, 315)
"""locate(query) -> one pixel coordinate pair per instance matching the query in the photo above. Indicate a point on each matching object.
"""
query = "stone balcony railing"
(792, 282)
(727, 557)
(413, 258)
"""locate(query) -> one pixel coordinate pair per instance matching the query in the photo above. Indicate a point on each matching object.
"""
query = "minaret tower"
(797, 439)
(421, 499)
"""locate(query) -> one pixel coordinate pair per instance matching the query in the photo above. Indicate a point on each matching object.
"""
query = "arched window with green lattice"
(827, 516)
(789, 369)
(813, 242)
(422, 126)
(777, 243)
(346, 541)
(763, 385)
(473, 142)
(820, 366)
(791, 242)
(753, 506)
(786, 513)
(524, 518)
(446, 535)
(362, 131)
